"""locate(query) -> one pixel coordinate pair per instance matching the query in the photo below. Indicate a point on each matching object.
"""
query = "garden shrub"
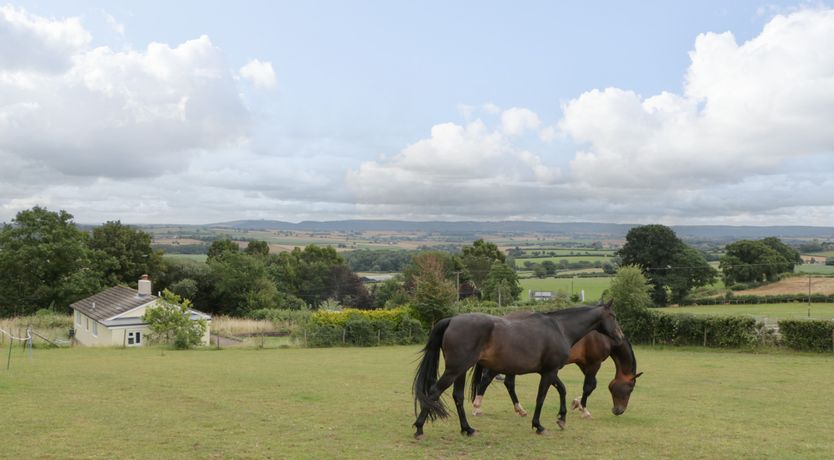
(364, 327)
(652, 326)
(807, 335)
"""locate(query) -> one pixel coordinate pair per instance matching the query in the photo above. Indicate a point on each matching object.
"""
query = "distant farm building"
(540, 295)
(114, 317)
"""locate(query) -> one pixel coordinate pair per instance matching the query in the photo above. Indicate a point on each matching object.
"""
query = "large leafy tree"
(478, 258)
(757, 260)
(44, 262)
(219, 247)
(129, 251)
(666, 260)
(240, 284)
(501, 284)
(313, 274)
(170, 322)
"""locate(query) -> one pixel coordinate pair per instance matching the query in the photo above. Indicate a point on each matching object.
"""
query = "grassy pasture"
(796, 310)
(593, 286)
(815, 269)
(356, 403)
(194, 257)
(570, 259)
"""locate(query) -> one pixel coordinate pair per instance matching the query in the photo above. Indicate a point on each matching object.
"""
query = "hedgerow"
(807, 335)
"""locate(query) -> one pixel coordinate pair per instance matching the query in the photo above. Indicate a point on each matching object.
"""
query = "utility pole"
(457, 283)
(809, 296)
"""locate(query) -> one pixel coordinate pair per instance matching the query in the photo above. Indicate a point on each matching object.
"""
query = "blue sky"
(196, 112)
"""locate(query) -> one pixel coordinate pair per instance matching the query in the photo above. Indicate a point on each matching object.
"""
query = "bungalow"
(114, 316)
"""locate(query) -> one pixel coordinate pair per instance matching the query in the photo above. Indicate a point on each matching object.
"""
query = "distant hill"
(574, 229)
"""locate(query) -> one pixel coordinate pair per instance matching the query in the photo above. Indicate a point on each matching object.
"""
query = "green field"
(519, 263)
(771, 311)
(357, 403)
(815, 269)
(593, 286)
(197, 257)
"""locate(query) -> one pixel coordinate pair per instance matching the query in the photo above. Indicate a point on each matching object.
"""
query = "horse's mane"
(563, 311)
(633, 358)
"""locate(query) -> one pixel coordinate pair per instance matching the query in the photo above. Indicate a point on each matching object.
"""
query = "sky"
(196, 112)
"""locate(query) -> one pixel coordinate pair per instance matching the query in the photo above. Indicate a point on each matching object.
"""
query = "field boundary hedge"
(647, 326)
(807, 335)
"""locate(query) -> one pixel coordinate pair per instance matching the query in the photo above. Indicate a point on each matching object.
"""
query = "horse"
(588, 354)
(538, 342)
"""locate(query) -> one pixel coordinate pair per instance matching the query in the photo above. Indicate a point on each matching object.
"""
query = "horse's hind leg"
(563, 408)
(437, 389)
(458, 395)
(509, 382)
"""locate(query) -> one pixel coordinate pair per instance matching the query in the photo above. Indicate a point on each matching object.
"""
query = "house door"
(134, 338)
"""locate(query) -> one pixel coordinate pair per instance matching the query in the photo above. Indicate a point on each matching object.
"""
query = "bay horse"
(588, 354)
(537, 342)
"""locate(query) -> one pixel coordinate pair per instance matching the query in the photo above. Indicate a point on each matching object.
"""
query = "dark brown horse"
(588, 354)
(537, 342)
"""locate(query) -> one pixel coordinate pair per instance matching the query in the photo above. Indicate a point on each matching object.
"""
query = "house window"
(95, 328)
(78, 317)
(134, 338)
(88, 323)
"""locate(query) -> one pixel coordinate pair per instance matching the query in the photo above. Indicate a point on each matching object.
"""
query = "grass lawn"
(593, 286)
(773, 311)
(195, 257)
(357, 403)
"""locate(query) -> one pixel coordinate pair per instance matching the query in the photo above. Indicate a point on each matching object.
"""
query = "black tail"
(426, 375)
(477, 375)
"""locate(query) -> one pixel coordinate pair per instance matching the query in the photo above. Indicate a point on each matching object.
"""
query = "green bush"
(362, 328)
(807, 335)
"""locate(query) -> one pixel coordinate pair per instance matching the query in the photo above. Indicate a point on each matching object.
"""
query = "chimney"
(144, 286)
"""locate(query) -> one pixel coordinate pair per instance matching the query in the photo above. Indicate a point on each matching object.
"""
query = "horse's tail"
(477, 375)
(426, 375)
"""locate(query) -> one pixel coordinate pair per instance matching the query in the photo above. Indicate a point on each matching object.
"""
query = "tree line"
(46, 261)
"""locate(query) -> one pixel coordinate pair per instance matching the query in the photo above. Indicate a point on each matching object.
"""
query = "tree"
(348, 288)
(44, 261)
(631, 292)
(757, 260)
(501, 284)
(389, 294)
(257, 248)
(240, 284)
(188, 272)
(308, 273)
(434, 294)
(129, 250)
(478, 258)
(219, 247)
(170, 322)
(666, 260)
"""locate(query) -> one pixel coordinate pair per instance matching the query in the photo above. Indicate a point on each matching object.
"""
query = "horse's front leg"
(563, 408)
(588, 387)
(486, 379)
(544, 384)
(509, 382)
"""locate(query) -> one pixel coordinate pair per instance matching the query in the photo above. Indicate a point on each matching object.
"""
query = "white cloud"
(517, 121)
(32, 43)
(114, 113)
(745, 109)
(260, 73)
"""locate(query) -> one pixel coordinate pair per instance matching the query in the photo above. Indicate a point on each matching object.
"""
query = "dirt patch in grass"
(795, 285)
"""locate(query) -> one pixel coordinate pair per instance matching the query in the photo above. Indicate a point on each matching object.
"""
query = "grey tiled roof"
(111, 302)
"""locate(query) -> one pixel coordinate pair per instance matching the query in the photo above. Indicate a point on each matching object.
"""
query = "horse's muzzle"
(617, 410)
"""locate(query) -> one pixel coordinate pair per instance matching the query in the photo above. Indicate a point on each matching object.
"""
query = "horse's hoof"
(477, 412)
(561, 424)
(586, 414)
(541, 432)
(521, 413)
(419, 437)
(469, 432)
(575, 404)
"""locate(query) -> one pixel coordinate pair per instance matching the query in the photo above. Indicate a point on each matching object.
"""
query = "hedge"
(643, 325)
(807, 335)
(362, 328)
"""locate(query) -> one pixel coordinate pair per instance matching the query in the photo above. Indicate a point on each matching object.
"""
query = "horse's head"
(609, 325)
(621, 388)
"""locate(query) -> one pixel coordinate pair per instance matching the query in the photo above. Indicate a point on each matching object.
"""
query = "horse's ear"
(638, 375)
(608, 304)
